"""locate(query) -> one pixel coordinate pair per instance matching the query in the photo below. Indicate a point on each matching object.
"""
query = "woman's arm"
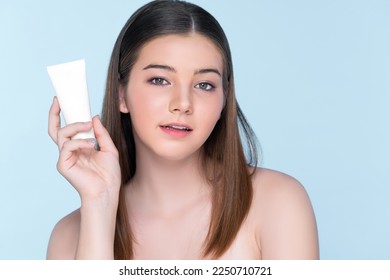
(96, 177)
(287, 228)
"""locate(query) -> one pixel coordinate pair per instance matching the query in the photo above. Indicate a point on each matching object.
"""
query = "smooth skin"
(176, 79)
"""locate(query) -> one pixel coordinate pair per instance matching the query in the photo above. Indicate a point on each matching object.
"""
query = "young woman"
(170, 179)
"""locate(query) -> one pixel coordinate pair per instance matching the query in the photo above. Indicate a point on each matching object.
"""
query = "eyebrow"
(208, 70)
(171, 69)
(160, 66)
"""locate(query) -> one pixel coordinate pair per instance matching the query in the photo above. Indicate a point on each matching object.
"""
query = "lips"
(177, 126)
(176, 130)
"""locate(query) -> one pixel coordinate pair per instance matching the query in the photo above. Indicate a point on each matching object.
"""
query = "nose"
(181, 101)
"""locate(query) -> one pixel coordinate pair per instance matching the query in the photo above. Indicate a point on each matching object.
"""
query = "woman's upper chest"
(183, 237)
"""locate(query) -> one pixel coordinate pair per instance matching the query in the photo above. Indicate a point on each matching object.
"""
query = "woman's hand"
(94, 174)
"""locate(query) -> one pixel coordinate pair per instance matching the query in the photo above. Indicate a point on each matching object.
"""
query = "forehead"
(186, 50)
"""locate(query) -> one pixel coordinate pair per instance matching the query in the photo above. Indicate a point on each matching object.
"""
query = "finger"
(68, 150)
(54, 119)
(103, 137)
(66, 133)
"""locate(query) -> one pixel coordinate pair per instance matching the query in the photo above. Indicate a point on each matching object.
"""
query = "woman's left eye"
(205, 86)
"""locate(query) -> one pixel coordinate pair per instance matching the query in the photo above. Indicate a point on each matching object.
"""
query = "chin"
(176, 154)
(169, 151)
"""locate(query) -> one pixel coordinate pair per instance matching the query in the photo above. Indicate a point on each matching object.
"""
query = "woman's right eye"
(159, 81)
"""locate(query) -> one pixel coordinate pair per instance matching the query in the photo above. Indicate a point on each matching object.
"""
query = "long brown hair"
(224, 160)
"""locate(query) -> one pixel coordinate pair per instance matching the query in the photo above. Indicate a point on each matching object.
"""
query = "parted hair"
(227, 163)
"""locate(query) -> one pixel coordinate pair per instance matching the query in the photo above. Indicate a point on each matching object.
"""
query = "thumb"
(102, 136)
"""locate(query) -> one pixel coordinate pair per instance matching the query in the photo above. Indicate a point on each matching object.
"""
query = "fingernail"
(92, 141)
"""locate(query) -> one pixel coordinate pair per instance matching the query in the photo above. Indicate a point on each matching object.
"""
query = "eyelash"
(209, 86)
(164, 82)
(153, 81)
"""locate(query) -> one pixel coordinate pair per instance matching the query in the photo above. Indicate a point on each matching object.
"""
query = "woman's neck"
(167, 186)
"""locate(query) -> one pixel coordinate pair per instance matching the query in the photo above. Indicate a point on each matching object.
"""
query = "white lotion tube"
(70, 84)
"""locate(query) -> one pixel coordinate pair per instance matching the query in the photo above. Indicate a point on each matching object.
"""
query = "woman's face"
(174, 95)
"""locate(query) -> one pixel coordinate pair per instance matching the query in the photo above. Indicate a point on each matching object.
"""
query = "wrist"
(100, 206)
(103, 200)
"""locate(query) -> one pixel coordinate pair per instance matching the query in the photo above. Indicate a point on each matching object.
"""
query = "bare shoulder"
(284, 218)
(274, 185)
(64, 237)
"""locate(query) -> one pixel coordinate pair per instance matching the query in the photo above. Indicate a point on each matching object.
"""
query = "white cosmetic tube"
(70, 84)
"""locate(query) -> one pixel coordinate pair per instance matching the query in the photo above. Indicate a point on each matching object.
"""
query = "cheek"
(211, 112)
(138, 109)
(142, 105)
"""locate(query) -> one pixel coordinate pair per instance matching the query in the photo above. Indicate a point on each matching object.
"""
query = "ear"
(122, 99)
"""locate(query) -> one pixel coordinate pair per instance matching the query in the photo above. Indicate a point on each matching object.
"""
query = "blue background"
(311, 76)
